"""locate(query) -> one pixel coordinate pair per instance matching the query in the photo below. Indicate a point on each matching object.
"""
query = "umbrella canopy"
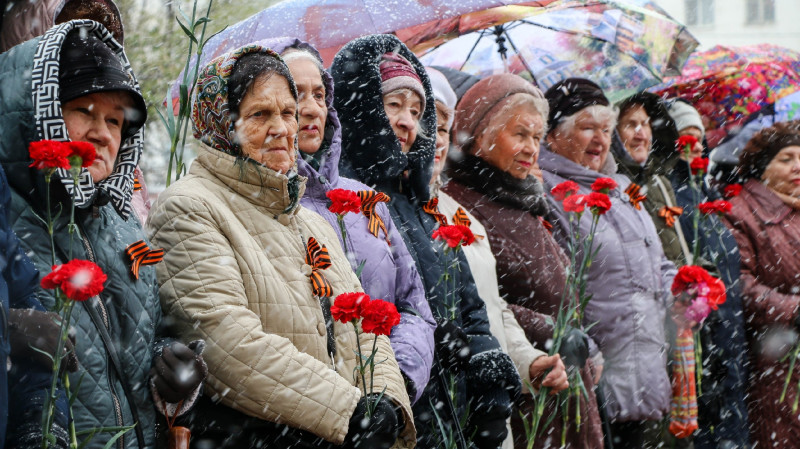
(728, 84)
(625, 46)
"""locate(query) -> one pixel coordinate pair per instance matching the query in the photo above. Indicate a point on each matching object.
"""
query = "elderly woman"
(766, 224)
(388, 271)
(245, 268)
(93, 97)
(388, 124)
(630, 278)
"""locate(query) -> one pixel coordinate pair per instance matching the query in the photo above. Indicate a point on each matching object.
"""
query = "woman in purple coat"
(388, 270)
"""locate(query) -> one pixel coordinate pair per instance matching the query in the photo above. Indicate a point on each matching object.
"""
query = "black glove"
(452, 346)
(31, 331)
(179, 370)
(490, 433)
(574, 348)
(380, 431)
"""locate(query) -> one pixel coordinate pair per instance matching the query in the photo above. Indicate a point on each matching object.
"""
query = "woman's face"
(513, 140)
(783, 172)
(442, 143)
(404, 109)
(697, 151)
(587, 142)
(635, 132)
(311, 104)
(267, 125)
(98, 118)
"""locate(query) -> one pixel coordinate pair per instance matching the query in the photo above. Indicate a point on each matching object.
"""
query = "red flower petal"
(379, 317)
(564, 190)
(604, 185)
(347, 306)
(78, 279)
(343, 201)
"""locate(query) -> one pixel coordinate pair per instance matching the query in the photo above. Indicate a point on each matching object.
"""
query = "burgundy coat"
(768, 234)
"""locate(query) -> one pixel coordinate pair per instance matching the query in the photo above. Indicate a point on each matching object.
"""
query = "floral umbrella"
(625, 46)
(728, 84)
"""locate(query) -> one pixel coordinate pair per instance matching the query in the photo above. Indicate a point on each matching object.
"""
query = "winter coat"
(768, 234)
(389, 272)
(629, 282)
(721, 405)
(23, 388)
(532, 273)
(128, 307)
(372, 154)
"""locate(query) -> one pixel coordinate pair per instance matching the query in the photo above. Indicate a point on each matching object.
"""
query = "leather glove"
(179, 370)
(490, 433)
(380, 431)
(31, 331)
(452, 346)
(574, 348)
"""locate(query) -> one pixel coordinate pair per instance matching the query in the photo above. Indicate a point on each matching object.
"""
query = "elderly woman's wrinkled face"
(697, 151)
(783, 172)
(267, 124)
(442, 141)
(587, 140)
(98, 118)
(511, 141)
(635, 132)
(404, 109)
(311, 105)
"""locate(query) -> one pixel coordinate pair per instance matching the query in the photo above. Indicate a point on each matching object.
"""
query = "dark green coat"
(129, 307)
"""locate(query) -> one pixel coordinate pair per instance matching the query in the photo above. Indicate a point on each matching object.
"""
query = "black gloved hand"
(179, 370)
(574, 348)
(379, 431)
(490, 433)
(452, 346)
(29, 329)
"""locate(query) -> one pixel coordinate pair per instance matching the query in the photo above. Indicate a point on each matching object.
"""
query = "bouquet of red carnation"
(700, 290)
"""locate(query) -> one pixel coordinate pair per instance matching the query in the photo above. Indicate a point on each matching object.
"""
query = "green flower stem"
(50, 403)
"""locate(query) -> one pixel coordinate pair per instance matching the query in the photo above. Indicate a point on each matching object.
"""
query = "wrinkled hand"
(574, 348)
(29, 329)
(380, 431)
(549, 371)
(452, 346)
(178, 371)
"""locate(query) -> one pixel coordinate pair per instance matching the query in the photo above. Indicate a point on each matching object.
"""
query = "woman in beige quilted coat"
(235, 274)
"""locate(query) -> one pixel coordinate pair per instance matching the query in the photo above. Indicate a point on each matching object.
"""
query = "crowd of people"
(229, 329)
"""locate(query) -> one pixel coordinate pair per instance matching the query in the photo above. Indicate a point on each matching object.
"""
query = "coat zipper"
(104, 313)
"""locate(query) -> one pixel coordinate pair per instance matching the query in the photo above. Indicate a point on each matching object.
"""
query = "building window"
(699, 12)
(760, 11)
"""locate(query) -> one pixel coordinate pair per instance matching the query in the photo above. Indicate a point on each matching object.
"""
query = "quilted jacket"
(128, 307)
(235, 275)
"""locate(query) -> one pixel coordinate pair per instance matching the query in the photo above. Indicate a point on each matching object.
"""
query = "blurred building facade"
(739, 22)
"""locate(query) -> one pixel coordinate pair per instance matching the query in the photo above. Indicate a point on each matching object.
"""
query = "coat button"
(323, 180)
(624, 197)
(283, 219)
(648, 240)
(321, 328)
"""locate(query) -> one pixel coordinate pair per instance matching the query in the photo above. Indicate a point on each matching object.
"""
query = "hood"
(332, 145)
(370, 149)
(30, 111)
(663, 156)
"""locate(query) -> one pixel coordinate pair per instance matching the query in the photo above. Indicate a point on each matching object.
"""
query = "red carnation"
(348, 306)
(454, 235)
(604, 185)
(732, 190)
(716, 294)
(574, 203)
(379, 317)
(564, 190)
(344, 201)
(49, 154)
(715, 207)
(600, 203)
(83, 150)
(687, 276)
(687, 140)
(699, 164)
(78, 279)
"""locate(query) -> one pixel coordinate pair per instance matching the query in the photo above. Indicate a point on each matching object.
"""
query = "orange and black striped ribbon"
(141, 254)
(461, 219)
(137, 186)
(634, 196)
(669, 214)
(547, 225)
(317, 256)
(432, 208)
(370, 199)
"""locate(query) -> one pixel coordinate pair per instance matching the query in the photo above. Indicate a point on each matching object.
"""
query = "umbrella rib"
(521, 58)
(477, 41)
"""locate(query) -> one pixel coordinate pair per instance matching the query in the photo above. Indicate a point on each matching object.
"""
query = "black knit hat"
(87, 65)
(570, 96)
